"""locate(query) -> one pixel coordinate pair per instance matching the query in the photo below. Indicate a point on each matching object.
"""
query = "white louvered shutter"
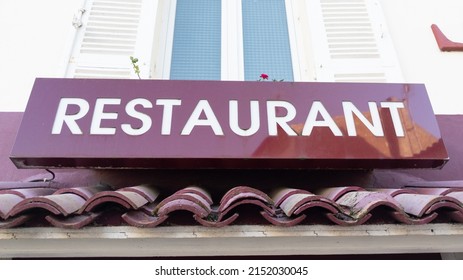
(351, 42)
(111, 32)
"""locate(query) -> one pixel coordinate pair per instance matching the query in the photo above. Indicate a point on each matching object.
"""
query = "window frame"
(232, 52)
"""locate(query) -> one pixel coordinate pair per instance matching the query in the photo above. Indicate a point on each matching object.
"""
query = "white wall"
(409, 23)
(34, 34)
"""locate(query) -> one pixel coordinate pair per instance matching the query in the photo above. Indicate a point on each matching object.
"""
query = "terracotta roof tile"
(141, 219)
(456, 216)
(299, 202)
(64, 204)
(283, 221)
(28, 193)
(15, 221)
(146, 206)
(346, 220)
(394, 192)
(282, 194)
(28, 185)
(149, 193)
(435, 191)
(360, 203)
(336, 192)
(410, 220)
(216, 223)
(457, 195)
(76, 199)
(182, 205)
(74, 221)
(242, 192)
(256, 202)
(423, 204)
(84, 192)
(7, 202)
(198, 191)
(127, 199)
(179, 197)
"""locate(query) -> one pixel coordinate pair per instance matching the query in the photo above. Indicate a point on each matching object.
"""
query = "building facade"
(361, 41)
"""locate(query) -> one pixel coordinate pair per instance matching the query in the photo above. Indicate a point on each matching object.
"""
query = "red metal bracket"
(444, 43)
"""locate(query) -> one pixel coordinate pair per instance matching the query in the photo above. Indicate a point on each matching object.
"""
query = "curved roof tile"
(149, 193)
(15, 221)
(304, 201)
(74, 221)
(349, 206)
(283, 221)
(192, 197)
(457, 195)
(141, 219)
(421, 204)
(256, 202)
(7, 202)
(360, 203)
(84, 192)
(219, 223)
(282, 194)
(345, 220)
(182, 205)
(28, 193)
(410, 220)
(127, 199)
(242, 192)
(198, 191)
(64, 204)
(336, 192)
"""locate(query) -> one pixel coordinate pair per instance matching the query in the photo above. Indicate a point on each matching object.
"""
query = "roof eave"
(122, 241)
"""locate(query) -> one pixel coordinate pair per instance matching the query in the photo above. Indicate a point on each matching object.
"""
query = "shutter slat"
(113, 31)
(351, 42)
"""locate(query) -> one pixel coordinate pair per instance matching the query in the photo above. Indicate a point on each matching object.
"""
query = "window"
(252, 42)
(300, 40)
(266, 40)
(197, 40)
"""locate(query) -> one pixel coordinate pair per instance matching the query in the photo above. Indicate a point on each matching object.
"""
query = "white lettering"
(70, 120)
(350, 110)
(273, 120)
(145, 119)
(279, 116)
(394, 110)
(255, 119)
(311, 122)
(168, 105)
(194, 120)
(99, 115)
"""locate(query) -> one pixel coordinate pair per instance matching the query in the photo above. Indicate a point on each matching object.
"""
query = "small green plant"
(136, 69)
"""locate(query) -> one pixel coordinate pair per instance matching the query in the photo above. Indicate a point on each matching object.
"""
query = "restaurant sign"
(93, 123)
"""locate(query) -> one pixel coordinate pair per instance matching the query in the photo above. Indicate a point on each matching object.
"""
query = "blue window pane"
(196, 46)
(266, 40)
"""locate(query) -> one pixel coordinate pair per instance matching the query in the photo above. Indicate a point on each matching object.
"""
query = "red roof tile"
(142, 207)
(84, 192)
(76, 199)
(64, 204)
(74, 221)
(141, 219)
(14, 221)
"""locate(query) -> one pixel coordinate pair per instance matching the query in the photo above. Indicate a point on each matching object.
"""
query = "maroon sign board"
(92, 123)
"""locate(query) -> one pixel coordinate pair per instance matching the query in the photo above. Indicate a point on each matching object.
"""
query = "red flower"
(264, 76)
